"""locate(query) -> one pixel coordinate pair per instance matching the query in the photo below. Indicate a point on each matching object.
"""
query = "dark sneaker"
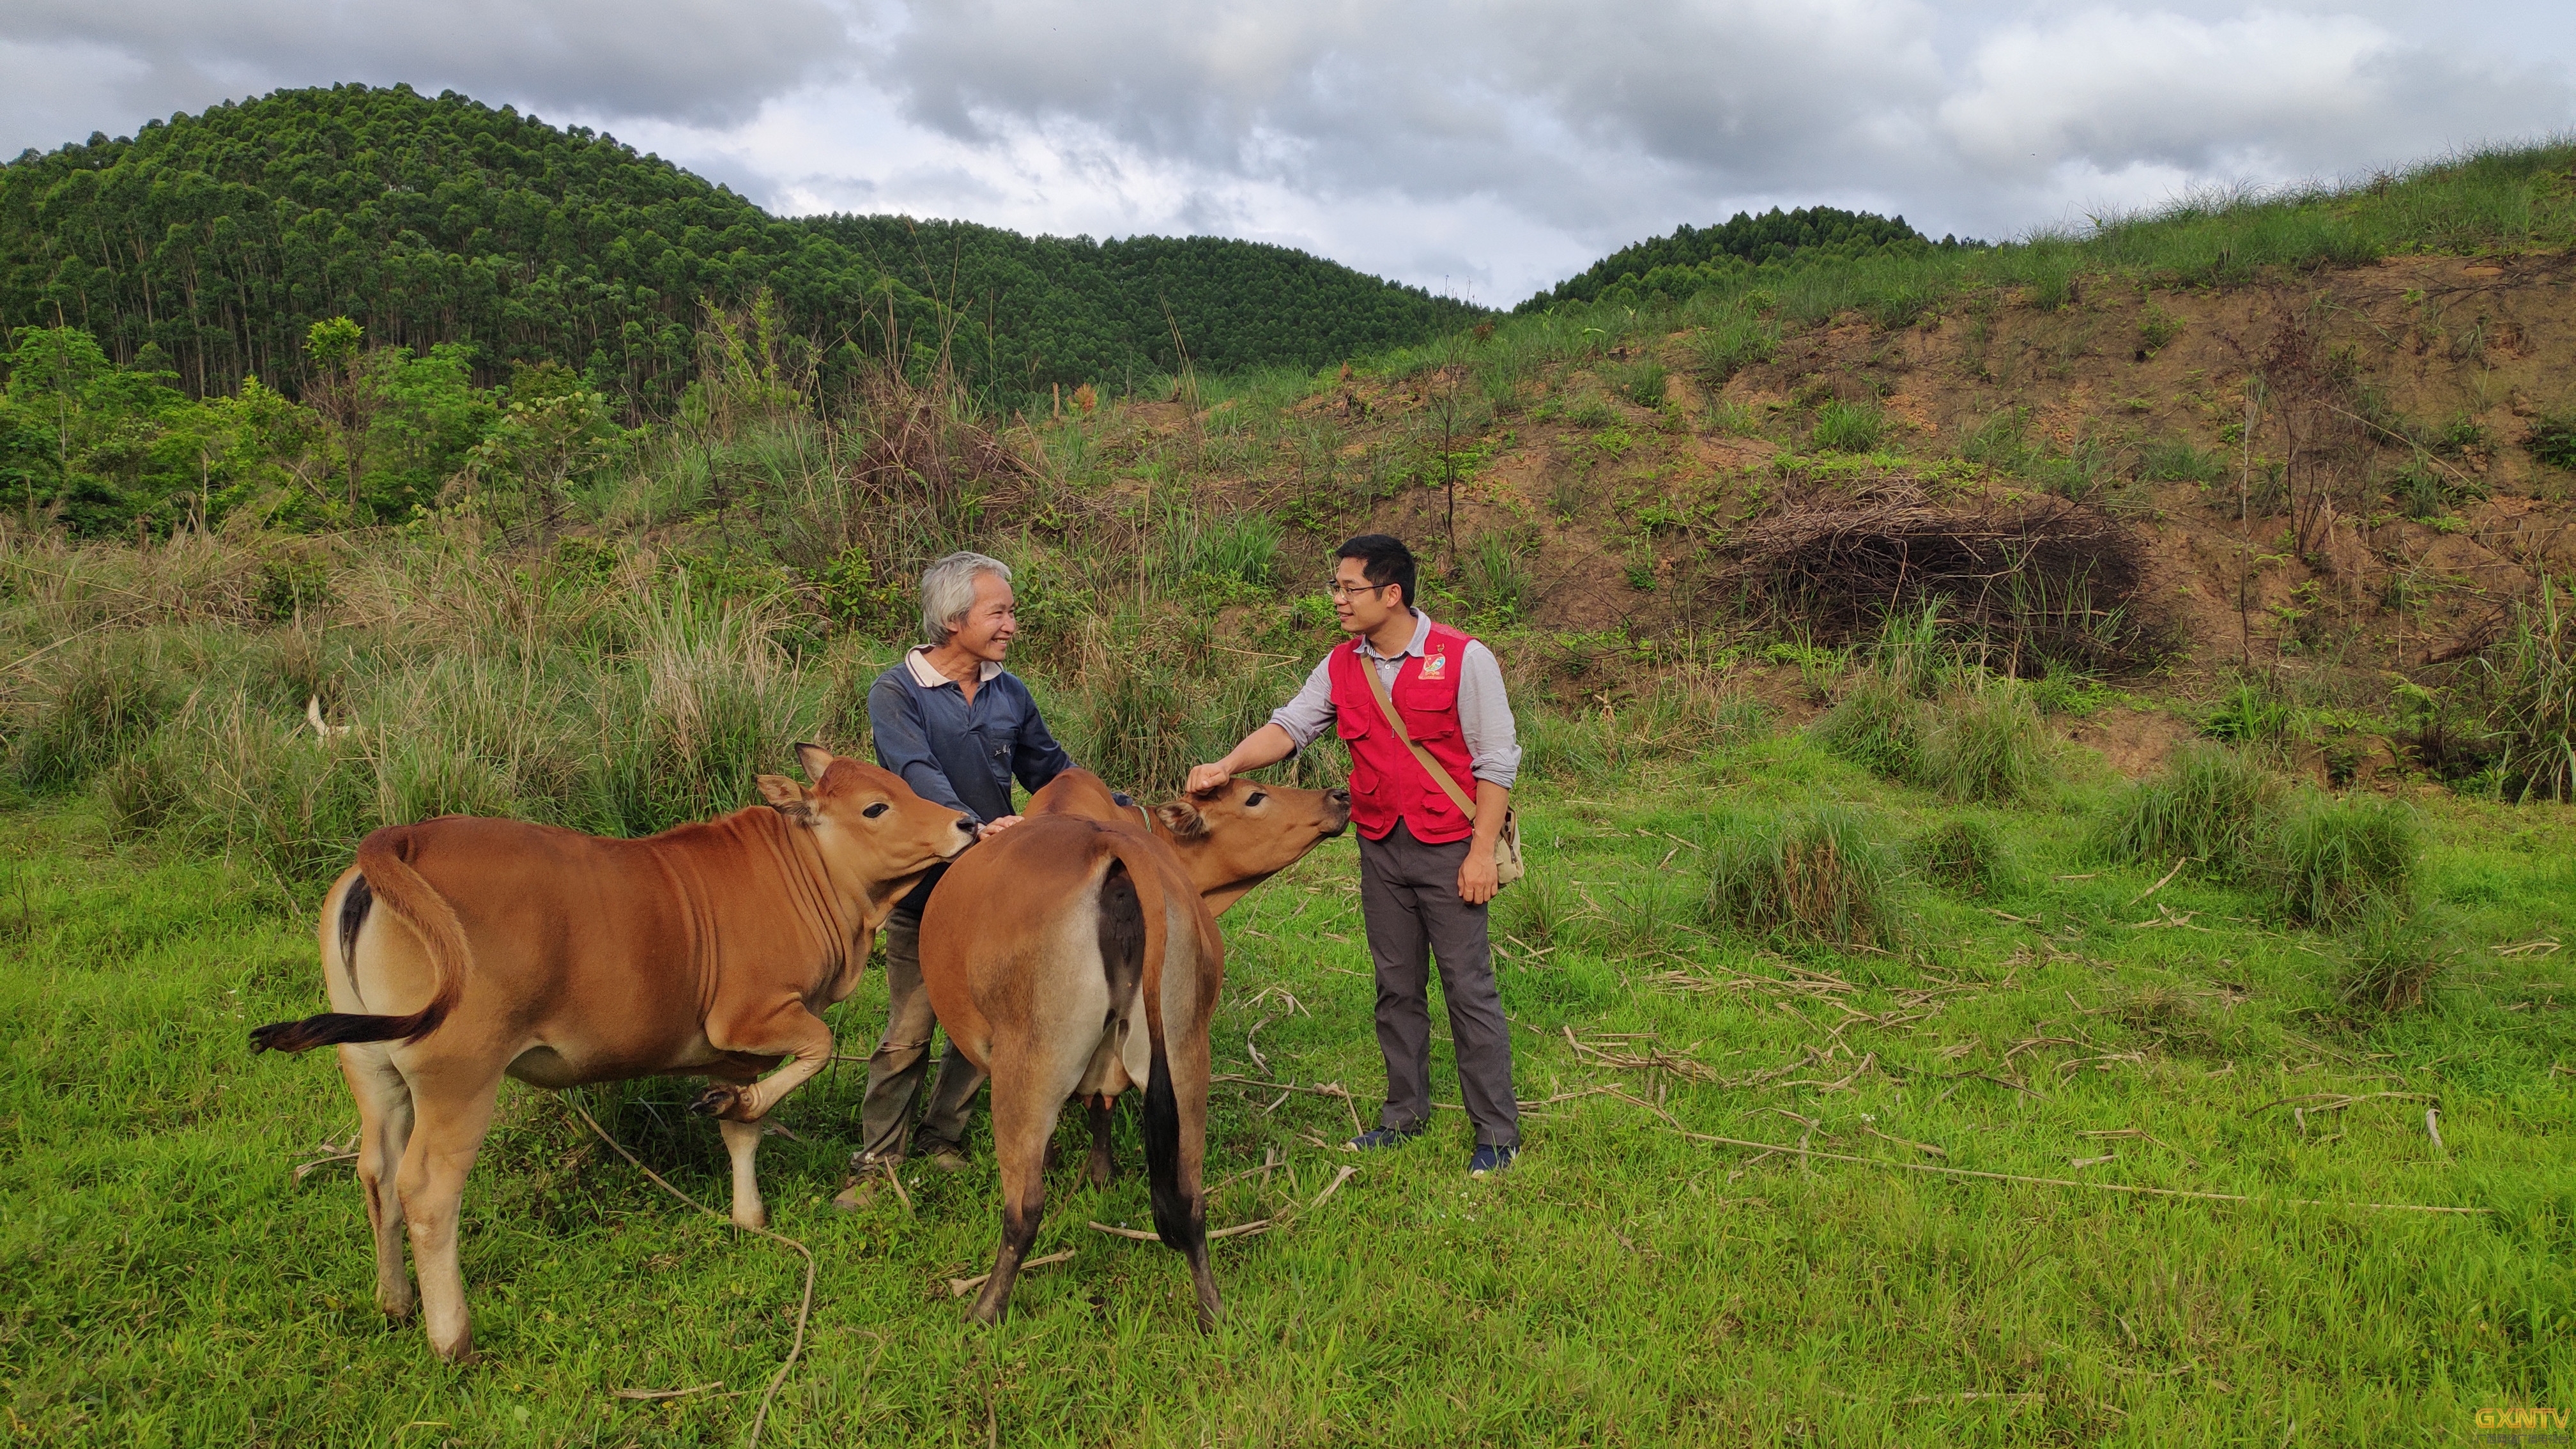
(1490, 1160)
(947, 1158)
(1372, 1140)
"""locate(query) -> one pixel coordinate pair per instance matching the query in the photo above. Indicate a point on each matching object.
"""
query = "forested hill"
(1686, 257)
(217, 240)
(1061, 307)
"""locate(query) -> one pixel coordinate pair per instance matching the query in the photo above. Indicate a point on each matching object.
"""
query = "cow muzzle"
(1340, 800)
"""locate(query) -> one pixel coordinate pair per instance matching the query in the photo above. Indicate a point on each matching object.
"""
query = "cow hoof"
(716, 1101)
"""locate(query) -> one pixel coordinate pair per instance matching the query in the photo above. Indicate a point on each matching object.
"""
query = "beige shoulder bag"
(1507, 846)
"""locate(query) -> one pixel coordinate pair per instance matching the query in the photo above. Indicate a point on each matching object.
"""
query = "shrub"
(1878, 725)
(713, 706)
(1642, 383)
(1536, 909)
(2206, 805)
(95, 710)
(2328, 860)
(2425, 491)
(2255, 716)
(1965, 856)
(140, 792)
(2169, 1014)
(2000, 443)
(1733, 418)
(2553, 440)
(1590, 409)
(1732, 341)
(1556, 747)
(1986, 744)
(2176, 461)
(2530, 682)
(1497, 578)
(2157, 327)
(1813, 874)
(1853, 427)
(1736, 716)
(1241, 549)
(2396, 958)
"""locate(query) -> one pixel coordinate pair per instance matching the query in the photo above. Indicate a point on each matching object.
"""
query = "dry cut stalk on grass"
(2122, 1187)
(804, 1306)
(960, 1287)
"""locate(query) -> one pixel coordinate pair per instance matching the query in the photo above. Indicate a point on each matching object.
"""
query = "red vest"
(1387, 783)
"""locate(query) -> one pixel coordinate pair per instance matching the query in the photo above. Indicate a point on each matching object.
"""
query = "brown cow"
(561, 958)
(1043, 949)
(1229, 842)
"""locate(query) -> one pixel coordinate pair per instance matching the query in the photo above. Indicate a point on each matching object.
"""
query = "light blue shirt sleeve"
(1311, 712)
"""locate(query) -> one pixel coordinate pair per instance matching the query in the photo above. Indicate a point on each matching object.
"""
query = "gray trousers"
(1409, 898)
(902, 1059)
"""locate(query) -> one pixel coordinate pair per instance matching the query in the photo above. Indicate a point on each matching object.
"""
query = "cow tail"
(1180, 1222)
(385, 874)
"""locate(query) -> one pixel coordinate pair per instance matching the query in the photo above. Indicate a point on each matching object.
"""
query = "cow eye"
(873, 811)
(1256, 797)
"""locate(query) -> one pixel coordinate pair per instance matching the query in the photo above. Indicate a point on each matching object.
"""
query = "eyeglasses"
(1339, 590)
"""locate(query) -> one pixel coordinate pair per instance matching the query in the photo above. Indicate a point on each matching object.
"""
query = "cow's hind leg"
(384, 1129)
(1024, 1115)
(1104, 1166)
(1175, 1150)
(454, 1102)
(742, 1142)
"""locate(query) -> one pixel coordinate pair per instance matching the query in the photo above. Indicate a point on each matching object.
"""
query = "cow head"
(1235, 838)
(876, 836)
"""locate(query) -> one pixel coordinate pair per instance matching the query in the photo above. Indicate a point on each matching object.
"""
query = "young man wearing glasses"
(1426, 870)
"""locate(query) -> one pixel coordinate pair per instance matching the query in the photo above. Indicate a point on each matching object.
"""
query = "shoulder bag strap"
(1386, 704)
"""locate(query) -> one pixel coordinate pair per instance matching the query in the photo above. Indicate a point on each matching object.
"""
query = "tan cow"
(1047, 949)
(561, 958)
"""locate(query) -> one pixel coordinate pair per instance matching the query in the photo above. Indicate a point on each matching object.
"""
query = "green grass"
(172, 1283)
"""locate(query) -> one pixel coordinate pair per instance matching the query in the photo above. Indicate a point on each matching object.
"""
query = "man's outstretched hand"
(991, 828)
(1208, 779)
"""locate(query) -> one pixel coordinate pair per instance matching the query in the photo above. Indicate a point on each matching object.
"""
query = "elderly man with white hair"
(958, 728)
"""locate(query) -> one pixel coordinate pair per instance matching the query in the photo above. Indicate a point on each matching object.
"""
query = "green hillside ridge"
(1692, 257)
(1042, 309)
(220, 239)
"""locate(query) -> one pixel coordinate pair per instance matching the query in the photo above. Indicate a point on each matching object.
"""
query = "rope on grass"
(2128, 1187)
(804, 1309)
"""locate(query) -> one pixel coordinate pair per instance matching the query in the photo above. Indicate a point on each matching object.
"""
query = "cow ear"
(1182, 819)
(787, 797)
(815, 759)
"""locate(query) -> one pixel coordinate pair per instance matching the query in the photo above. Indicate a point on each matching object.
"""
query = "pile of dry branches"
(2048, 581)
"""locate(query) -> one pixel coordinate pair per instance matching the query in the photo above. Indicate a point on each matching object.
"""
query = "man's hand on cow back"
(991, 828)
(1208, 779)
(1477, 879)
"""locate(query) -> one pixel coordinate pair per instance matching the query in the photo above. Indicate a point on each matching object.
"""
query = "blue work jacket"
(959, 754)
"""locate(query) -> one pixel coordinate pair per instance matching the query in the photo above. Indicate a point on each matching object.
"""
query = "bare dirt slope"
(2258, 439)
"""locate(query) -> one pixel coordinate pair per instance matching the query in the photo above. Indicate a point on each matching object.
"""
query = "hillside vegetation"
(1692, 257)
(209, 245)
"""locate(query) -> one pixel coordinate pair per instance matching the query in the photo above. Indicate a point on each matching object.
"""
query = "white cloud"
(2115, 89)
(704, 60)
(1492, 147)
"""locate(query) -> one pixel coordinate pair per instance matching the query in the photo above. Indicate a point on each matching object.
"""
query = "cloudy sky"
(1482, 149)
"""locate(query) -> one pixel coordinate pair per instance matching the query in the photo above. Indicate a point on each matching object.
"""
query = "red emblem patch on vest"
(1434, 666)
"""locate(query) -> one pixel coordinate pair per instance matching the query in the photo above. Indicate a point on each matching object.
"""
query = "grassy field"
(171, 1281)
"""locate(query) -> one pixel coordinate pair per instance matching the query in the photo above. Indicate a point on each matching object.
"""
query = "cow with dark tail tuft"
(461, 950)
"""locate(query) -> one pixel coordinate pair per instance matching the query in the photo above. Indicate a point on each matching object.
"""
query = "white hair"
(948, 592)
